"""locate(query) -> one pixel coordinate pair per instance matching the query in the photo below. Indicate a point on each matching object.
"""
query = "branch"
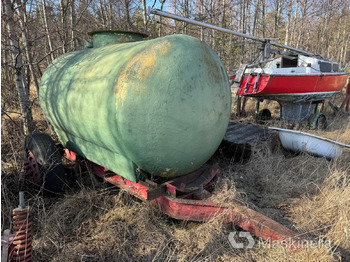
(38, 62)
(82, 12)
(13, 121)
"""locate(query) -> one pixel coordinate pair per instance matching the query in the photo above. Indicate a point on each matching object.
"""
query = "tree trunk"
(276, 19)
(223, 24)
(202, 19)
(161, 18)
(256, 17)
(110, 15)
(211, 11)
(64, 25)
(72, 20)
(25, 40)
(104, 22)
(184, 29)
(127, 11)
(175, 29)
(300, 40)
(286, 40)
(47, 30)
(345, 50)
(144, 14)
(243, 28)
(21, 84)
(230, 45)
(249, 49)
(292, 33)
(263, 11)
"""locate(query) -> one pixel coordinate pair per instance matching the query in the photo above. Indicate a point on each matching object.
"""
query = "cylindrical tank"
(160, 105)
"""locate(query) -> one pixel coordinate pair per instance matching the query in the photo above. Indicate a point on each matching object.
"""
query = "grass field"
(94, 221)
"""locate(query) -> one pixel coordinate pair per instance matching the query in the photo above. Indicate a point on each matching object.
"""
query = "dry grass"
(106, 225)
(328, 212)
(94, 221)
(322, 254)
(271, 177)
(225, 190)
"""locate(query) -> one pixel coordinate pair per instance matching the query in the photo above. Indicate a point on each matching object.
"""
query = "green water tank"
(159, 105)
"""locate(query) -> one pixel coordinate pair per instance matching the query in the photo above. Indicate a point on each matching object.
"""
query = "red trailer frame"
(184, 197)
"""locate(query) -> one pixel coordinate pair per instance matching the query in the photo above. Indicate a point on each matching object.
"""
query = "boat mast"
(265, 41)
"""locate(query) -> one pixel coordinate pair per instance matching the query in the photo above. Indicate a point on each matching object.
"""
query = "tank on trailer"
(160, 105)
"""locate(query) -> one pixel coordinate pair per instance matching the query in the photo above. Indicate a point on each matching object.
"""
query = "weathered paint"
(162, 105)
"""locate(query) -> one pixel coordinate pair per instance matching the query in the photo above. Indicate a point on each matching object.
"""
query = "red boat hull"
(275, 85)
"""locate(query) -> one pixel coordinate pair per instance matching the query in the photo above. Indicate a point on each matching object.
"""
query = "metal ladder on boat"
(255, 89)
(235, 87)
(239, 76)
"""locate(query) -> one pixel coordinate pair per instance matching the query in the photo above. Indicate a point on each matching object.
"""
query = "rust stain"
(167, 173)
(139, 67)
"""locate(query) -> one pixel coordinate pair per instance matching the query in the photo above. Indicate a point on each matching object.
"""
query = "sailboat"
(293, 78)
(298, 80)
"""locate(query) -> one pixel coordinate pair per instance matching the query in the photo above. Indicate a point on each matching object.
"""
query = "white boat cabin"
(297, 65)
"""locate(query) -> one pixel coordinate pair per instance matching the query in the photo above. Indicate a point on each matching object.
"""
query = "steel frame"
(175, 199)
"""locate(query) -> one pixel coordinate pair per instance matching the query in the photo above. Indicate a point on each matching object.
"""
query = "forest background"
(35, 32)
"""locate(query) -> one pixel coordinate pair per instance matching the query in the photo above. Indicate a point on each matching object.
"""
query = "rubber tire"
(321, 122)
(49, 160)
(263, 115)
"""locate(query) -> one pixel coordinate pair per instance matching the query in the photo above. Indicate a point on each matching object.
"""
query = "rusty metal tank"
(161, 106)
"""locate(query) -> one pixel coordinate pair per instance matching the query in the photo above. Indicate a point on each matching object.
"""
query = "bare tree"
(290, 8)
(127, 13)
(73, 22)
(63, 15)
(103, 16)
(161, 19)
(21, 11)
(19, 77)
(144, 14)
(202, 18)
(47, 30)
(278, 11)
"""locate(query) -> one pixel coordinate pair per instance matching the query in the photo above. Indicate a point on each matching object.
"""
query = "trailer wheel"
(263, 115)
(321, 122)
(43, 164)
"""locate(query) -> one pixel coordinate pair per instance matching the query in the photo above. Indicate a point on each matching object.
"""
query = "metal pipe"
(225, 30)
(191, 21)
(262, 62)
(292, 48)
(21, 199)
